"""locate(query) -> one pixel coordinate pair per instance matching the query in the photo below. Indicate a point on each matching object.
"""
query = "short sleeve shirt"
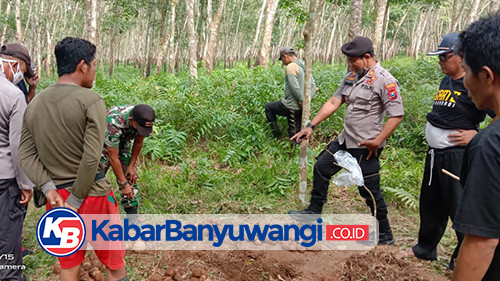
(119, 132)
(453, 109)
(479, 210)
(368, 99)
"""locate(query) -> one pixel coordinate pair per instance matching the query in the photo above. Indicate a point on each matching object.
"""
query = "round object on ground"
(170, 272)
(56, 268)
(98, 276)
(155, 277)
(139, 246)
(87, 266)
(197, 272)
(177, 277)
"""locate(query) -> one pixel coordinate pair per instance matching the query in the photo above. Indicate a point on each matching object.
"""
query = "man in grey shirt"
(370, 92)
(15, 187)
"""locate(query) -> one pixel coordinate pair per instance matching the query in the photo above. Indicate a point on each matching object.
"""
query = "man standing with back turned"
(369, 91)
(61, 144)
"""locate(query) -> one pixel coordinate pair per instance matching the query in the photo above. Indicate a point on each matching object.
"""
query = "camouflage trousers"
(130, 206)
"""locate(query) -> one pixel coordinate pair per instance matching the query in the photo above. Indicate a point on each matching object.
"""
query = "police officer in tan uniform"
(370, 92)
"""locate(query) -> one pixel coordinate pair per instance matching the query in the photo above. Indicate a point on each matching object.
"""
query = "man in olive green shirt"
(61, 142)
(291, 105)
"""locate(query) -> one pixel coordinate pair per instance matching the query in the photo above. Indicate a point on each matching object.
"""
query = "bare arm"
(326, 110)
(118, 170)
(136, 150)
(474, 258)
(463, 137)
(33, 83)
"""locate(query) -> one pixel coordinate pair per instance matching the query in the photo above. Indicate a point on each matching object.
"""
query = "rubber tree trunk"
(171, 37)
(19, 28)
(306, 106)
(356, 17)
(162, 46)
(494, 6)
(249, 53)
(7, 12)
(379, 26)
(214, 28)
(193, 65)
(474, 7)
(263, 58)
(91, 24)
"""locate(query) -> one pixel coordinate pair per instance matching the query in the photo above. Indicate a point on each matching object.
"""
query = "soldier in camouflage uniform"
(124, 124)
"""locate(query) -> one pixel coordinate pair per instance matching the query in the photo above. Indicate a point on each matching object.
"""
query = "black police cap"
(358, 47)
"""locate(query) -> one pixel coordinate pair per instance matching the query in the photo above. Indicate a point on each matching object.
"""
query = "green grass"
(212, 151)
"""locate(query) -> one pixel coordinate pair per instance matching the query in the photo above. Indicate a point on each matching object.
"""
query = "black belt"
(68, 184)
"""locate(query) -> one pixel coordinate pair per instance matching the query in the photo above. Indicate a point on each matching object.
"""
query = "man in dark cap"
(291, 105)
(31, 78)
(124, 124)
(451, 124)
(15, 187)
(369, 91)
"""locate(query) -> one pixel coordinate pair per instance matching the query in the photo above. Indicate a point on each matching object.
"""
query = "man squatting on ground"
(61, 144)
(15, 187)
(124, 124)
(478, 214)
(451, 124)
(369, 91)
(291, 105)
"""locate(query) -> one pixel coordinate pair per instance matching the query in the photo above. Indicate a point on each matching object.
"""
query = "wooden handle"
(450, 174)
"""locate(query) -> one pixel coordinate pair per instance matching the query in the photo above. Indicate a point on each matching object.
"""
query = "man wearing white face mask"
(15, 187)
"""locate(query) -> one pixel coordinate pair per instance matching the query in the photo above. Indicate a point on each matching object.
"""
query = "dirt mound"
(230, 265)
(380, 265)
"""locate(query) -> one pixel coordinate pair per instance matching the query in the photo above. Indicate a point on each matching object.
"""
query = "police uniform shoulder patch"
(351, 76)
(371, 73)
(391, 88)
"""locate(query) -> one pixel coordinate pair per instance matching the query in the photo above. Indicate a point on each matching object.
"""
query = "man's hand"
(131, 174)
(26, 195)
(372, 146)
(33, 81)
(463, 137)
(55, 200)
(66, 205)
(128, 191)
(304, 134)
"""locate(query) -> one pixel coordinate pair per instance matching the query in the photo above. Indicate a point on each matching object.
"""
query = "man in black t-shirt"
(453, 121)
(478, 215)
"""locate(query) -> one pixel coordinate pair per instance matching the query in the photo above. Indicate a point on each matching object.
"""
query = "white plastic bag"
(351, 175)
